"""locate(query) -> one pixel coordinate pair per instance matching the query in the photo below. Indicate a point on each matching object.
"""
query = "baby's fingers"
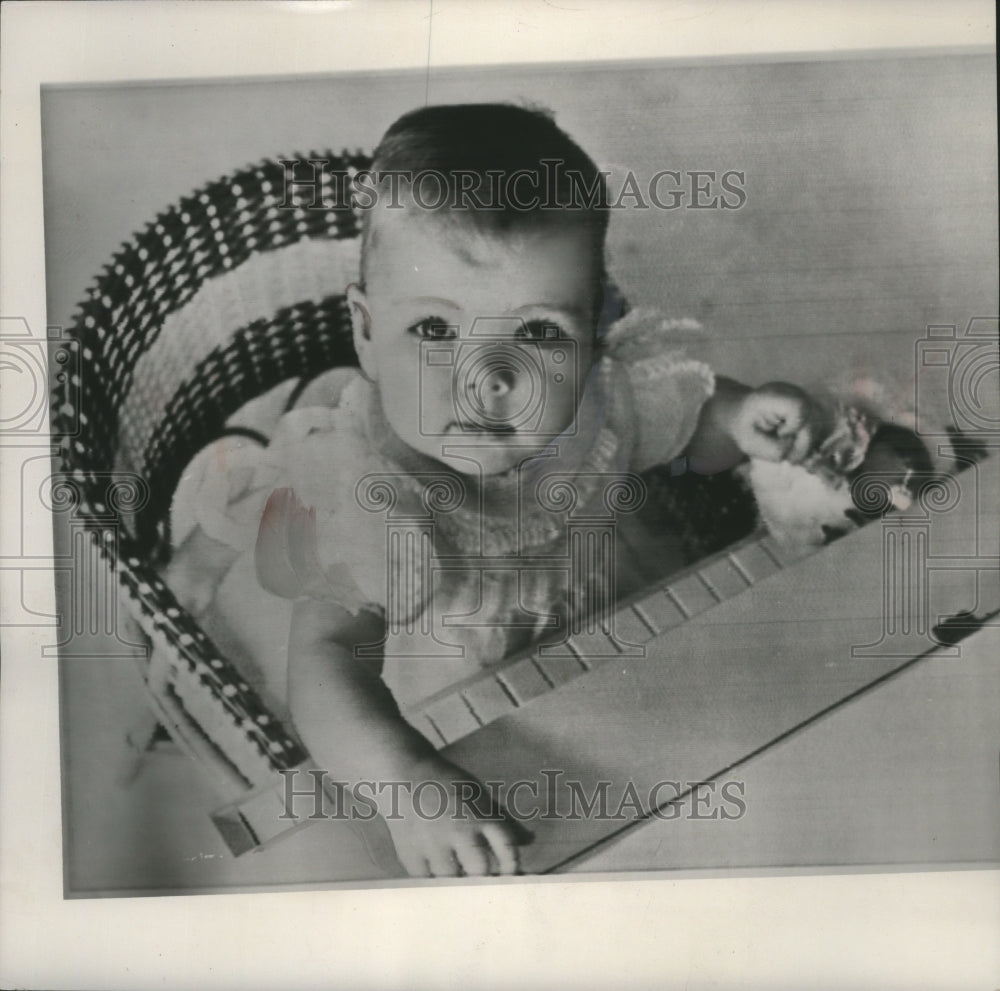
(414, 862)
(442, 861)
(770, 418)
(773, 426)
(473, 854)
(782, 415)
(502, 843)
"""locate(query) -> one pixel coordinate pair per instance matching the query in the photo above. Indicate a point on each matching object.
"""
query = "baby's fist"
(778, 422)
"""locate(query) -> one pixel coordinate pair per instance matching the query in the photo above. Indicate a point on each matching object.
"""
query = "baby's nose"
(495, 384)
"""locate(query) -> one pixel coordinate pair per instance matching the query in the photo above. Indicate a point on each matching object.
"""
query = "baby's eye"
(434, 329)
(540, 330)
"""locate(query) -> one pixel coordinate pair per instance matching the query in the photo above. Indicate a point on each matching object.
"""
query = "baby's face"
(479, 345)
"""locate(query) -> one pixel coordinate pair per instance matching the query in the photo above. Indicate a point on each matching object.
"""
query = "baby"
(507, 264)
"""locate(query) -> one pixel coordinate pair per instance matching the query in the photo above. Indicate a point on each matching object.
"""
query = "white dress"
(463, 577)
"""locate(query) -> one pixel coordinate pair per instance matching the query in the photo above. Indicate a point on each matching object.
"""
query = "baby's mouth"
(483, 429)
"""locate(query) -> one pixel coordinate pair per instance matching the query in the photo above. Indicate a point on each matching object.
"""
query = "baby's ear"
(361, 321)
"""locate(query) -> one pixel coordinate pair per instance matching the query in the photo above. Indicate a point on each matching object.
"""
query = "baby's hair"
(497, 168)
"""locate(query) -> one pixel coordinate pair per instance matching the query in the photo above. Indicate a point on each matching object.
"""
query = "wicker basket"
(222, 297)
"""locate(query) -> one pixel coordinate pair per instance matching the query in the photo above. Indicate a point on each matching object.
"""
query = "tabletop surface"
(761, 669)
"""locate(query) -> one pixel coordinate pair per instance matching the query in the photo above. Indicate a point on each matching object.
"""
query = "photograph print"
(571, 469)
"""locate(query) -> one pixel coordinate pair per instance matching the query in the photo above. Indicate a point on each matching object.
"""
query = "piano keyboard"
(503, 688)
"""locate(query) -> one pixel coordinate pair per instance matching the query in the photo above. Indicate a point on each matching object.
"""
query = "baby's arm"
(352, 726)
(775, 422)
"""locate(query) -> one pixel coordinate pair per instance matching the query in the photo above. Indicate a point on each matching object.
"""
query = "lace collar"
(529, 505)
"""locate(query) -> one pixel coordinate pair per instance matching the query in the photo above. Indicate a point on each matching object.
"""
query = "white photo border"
(837, 930)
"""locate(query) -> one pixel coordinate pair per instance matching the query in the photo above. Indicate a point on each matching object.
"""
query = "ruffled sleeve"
(292, 504)
(314, 538)
(668, 388)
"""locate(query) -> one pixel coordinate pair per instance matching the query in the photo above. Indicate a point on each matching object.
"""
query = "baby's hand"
(778, 422)
(451, 830)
